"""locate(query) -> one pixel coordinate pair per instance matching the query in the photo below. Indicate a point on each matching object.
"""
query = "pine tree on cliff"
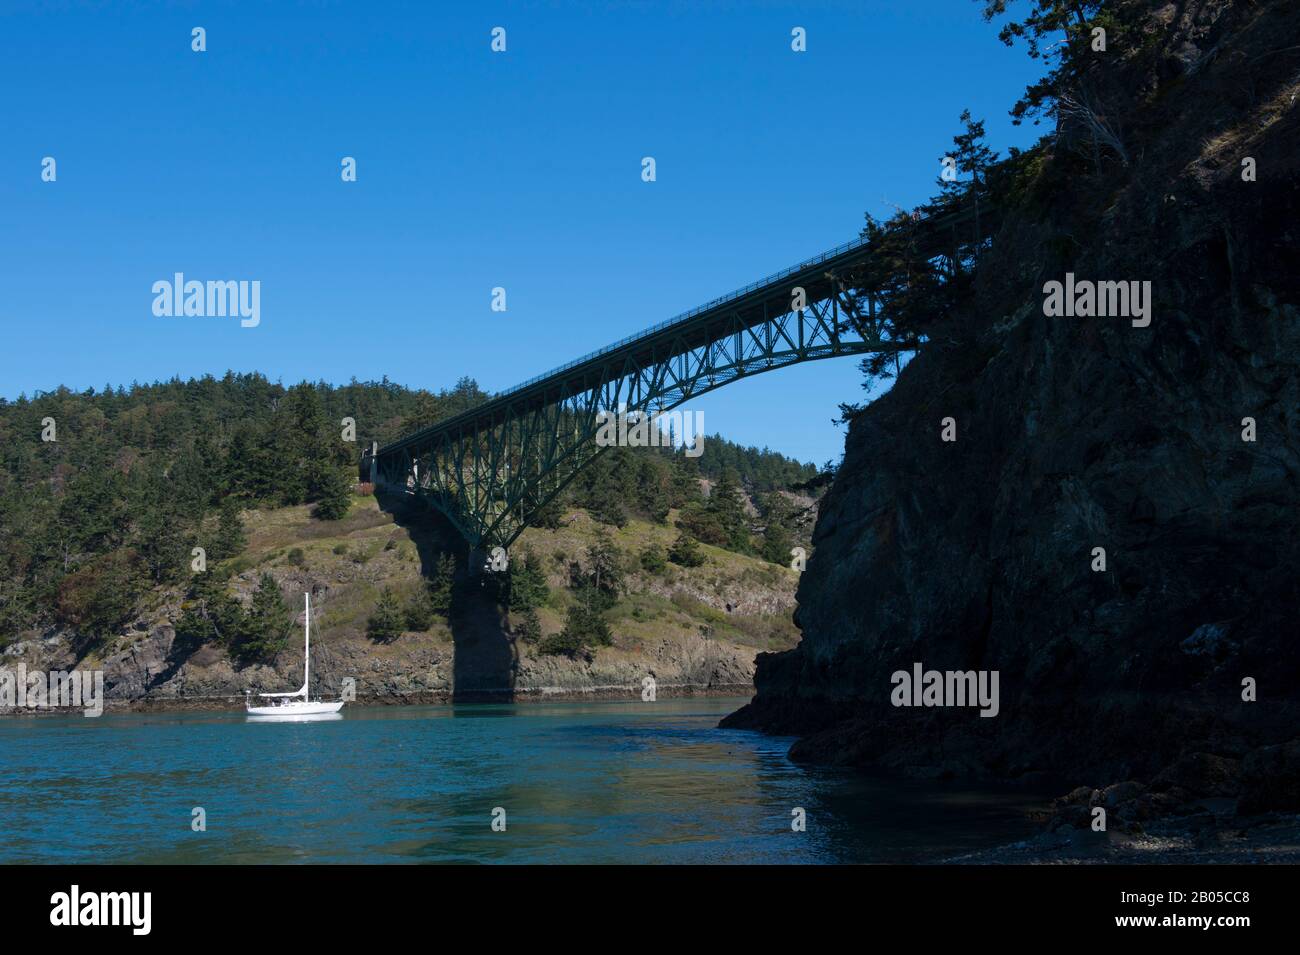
(210, 615)
(99, 597)
(971, 159)
(268, 622)
(1079, 89)
(163, 532)
(386, 623)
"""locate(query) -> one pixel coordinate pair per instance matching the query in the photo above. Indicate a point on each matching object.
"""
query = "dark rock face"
(1079, 433)
(1271, 779)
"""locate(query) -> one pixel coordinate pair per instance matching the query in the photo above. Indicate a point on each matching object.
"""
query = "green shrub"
(685, 551)
(561, 644)
(530, 628)
(653, 560)
(584, 624)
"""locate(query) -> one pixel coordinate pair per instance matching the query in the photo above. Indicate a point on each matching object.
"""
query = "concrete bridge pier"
(370, 464)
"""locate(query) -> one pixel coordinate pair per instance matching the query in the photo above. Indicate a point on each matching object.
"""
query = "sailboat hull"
(296, 708)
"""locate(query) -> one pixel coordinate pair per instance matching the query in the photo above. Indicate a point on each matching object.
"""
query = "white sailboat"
(297, 703)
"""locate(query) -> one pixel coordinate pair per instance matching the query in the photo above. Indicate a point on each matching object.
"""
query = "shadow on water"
(485, 660)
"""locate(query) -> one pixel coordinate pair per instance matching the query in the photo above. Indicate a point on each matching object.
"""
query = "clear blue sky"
(475, 170)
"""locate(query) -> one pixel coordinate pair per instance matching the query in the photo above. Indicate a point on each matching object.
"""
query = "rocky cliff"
(1080, 433)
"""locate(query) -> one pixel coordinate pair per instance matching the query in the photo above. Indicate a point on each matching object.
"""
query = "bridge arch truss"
(490, 469)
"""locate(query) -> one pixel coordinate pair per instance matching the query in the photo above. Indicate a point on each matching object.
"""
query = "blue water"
(590, 782)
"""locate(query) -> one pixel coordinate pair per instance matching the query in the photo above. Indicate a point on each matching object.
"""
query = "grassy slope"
(378, 553)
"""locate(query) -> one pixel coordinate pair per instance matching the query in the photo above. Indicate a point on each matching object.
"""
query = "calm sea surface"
(579, 782)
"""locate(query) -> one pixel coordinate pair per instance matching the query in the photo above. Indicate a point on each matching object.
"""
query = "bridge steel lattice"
(490, 468)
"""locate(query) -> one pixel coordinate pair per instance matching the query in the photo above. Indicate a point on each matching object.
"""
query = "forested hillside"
(105, 494)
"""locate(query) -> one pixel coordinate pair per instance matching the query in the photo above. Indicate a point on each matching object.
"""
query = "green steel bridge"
(489, 469)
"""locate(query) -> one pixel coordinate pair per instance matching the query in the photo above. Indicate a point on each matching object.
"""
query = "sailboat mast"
(306, 653)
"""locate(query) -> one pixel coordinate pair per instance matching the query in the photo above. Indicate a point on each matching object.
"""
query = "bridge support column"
(478, 558)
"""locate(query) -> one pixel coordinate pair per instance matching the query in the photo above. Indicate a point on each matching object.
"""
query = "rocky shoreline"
(1202, 809)
(148, 673)
(1207, 838)
(235, 704)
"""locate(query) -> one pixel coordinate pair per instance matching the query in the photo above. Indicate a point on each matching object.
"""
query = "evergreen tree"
(209, 614)
(385, 624)
(777, 541)
(420, 610)
(777, 544)
(654, 487)
(443, 584)
(685, 480)
(697, 520)
(1042, 29)
(163, 541)
(728, 509)
(527, 582)
(549, 515)
(605, 566)
(99, 598)
(562, 643)
(230, 538)
(335, 495)
(267, 624)
(971, 158)
(606, 506)
(309, 455)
